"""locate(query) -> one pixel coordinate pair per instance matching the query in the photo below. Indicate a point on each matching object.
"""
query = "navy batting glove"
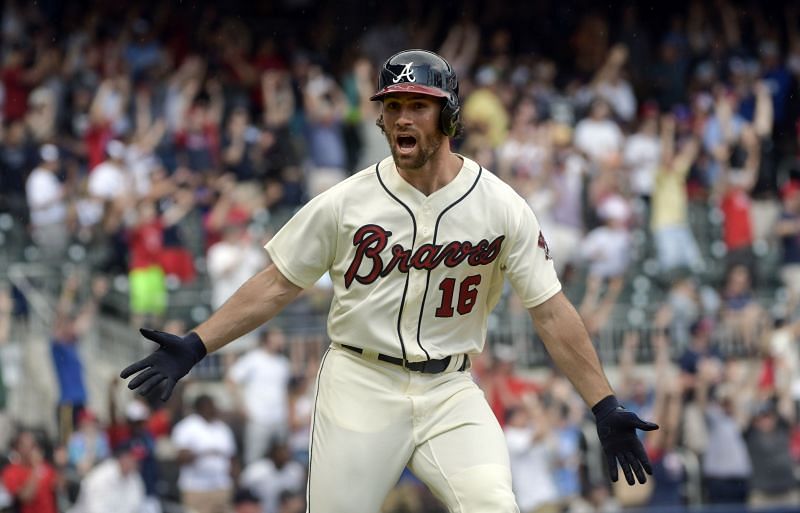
(616, 428)
(169, 363)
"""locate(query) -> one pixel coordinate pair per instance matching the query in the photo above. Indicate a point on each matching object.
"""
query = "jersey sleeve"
(303, 250)
(528, 264)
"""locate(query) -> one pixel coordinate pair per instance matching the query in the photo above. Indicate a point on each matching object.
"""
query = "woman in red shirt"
(739, 178)
(29, 478)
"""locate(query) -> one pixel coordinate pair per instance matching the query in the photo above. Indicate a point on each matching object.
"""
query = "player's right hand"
(169, 363)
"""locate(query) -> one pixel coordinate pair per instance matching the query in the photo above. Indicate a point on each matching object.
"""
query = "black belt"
(426, 367)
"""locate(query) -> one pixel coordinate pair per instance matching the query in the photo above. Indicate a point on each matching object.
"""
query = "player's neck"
(439, 171)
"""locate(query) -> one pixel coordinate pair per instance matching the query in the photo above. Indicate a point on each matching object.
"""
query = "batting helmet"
(422, 72)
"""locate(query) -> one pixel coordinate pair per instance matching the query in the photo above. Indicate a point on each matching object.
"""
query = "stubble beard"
(427, 147)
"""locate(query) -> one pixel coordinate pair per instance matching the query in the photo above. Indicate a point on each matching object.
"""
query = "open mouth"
(406, 143)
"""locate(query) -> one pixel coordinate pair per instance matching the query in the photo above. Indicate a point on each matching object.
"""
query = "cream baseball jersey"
(416, 276)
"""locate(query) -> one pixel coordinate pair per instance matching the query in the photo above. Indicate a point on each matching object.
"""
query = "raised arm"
(752, 145)
(278, 98)
(216, 104)
(764, 115)
(687, 155)
(667, 139)
(615, 61)
(730, 24)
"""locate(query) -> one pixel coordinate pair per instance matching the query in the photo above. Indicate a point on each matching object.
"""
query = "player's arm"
(566, 339)
(256, 302)
(302, 251)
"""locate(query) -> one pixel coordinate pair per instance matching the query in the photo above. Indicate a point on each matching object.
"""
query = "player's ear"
(379, 123)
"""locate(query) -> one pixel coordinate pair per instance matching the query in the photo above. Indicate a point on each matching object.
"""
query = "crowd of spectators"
(728, 425)
(158, 147)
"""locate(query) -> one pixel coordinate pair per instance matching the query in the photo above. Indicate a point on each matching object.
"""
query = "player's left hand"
(616, 428)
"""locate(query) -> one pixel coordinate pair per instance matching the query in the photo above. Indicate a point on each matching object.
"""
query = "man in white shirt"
(531, 447)
(48, 210)
(260, 381)
(642, 153)
(269, 478)
(113, 486)
(607, 248)
(110, 179)
(107, 184)
(205, 448)
(231, 262)
(597, 135)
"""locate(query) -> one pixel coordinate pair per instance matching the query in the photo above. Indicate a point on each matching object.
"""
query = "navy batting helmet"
(422, 72)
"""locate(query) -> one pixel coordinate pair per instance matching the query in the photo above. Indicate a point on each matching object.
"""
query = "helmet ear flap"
(448, 119)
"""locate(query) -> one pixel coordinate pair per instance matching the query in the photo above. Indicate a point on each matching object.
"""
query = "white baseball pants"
(372, 419)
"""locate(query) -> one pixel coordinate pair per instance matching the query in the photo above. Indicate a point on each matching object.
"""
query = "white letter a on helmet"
(407, 74)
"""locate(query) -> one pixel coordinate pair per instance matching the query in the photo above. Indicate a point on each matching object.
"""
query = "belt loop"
(454, 362)
(457, 362)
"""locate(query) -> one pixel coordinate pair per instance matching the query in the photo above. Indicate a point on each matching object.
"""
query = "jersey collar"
(411, 196)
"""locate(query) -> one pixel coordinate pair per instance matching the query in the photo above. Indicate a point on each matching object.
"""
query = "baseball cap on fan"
(137, 411)
(87, 415)
(417, 71)
(131, 447)
(49, 153)
(115, 149)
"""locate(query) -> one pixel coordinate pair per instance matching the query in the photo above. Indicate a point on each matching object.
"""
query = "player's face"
(411, 123)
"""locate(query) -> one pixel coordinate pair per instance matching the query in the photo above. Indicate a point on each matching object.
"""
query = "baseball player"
(417, 246)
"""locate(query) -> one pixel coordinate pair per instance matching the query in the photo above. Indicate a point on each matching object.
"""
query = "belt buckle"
(436, 366)
(414, 366)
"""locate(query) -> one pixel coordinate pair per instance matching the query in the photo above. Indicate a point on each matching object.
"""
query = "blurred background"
(148, 150)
